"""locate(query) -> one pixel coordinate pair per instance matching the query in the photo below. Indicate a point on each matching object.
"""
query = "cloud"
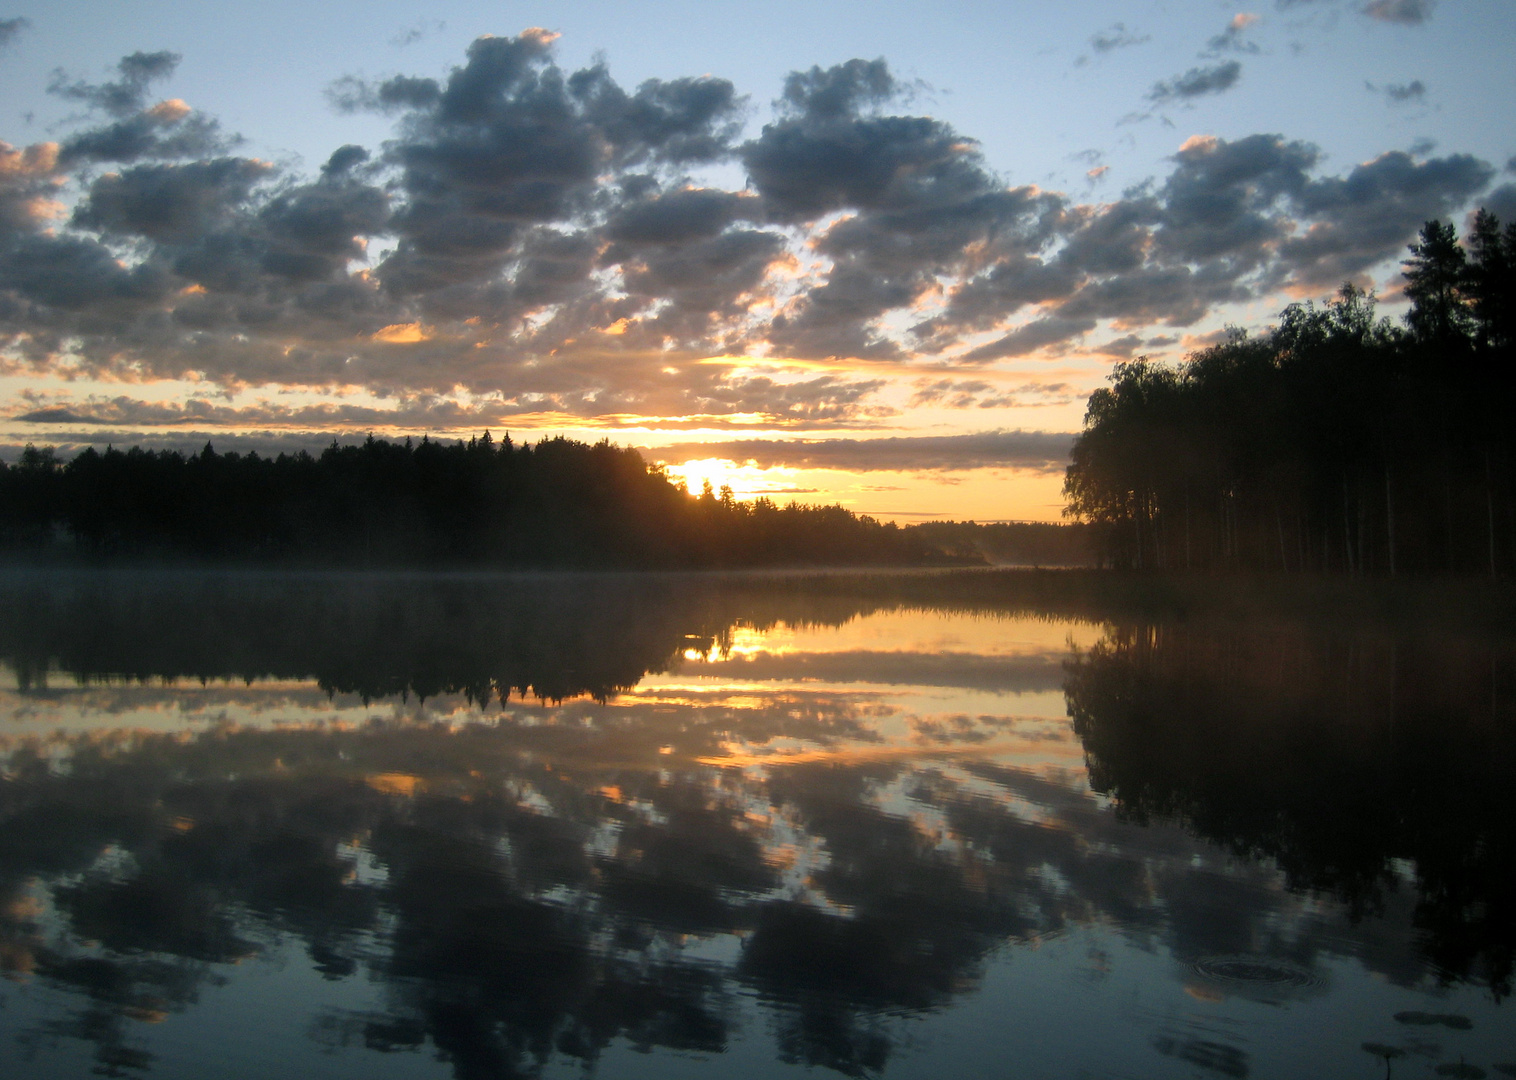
(1220, 199)
(167, 130)
(1413, 92)
(1363, 218)
(1197, 82)
(173, 203)
(1040, 451)
(1117, 36)
(841, 91)
(418, 413)
(1404, 12)
(1035, 335)
(417, 32)
(128, 93)
(29, 181)
(541, 231)
(920, 199)
(11, 29)
(951, 393)
(976, 393)
(1502, 203)
(1231, 39)
(676, 217)
(1124, 347)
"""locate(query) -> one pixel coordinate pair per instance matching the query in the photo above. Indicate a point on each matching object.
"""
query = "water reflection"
(1338, 760)
(523, 826)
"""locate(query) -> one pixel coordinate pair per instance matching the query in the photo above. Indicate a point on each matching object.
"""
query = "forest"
(1335, 442)
(483, 503)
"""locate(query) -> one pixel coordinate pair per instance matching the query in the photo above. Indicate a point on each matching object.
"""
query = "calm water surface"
(690, 827)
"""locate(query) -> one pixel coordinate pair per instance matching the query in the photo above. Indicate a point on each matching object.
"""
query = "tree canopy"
(1335, 442)
(483, 503)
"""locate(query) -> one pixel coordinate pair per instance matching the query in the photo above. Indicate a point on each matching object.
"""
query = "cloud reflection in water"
(830, 832)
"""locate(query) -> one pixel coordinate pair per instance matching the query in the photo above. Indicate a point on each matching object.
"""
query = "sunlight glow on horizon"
(296, 254)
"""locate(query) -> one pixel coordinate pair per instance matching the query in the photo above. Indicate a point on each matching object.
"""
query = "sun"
(746, 479)
(718, 471)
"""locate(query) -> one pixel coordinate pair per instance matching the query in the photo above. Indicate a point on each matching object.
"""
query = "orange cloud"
(404, 333)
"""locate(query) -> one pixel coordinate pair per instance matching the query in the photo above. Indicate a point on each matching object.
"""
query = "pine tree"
(1435, 277)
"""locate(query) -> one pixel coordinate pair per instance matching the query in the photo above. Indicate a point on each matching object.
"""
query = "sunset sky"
(869, 253)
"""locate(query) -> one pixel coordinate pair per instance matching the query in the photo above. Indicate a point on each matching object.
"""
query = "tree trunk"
(1489, 504)
(1347, 529)
(1186, 524)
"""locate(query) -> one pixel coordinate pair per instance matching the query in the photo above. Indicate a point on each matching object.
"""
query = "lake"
(743, 826)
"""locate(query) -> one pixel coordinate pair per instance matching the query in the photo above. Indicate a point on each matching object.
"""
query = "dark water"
(689, 827)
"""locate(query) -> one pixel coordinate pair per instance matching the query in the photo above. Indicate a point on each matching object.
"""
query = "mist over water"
(664, 825)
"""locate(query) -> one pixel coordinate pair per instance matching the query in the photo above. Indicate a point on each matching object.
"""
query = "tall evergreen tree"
(1435, 276)
(1490, 280)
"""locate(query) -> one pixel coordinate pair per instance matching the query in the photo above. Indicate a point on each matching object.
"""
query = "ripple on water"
(1256, 975)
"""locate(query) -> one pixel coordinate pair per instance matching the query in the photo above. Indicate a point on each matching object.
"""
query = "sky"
(876, 254)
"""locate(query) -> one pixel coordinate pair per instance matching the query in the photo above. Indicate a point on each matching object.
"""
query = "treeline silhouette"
(555, 503)
(1336, 442)
(1011, 543)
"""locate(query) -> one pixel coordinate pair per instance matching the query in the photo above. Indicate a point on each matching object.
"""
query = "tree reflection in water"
(1334, 757)
(553, 877)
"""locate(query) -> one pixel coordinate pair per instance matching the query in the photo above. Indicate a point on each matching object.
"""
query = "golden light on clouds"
(404, 333)
(171, 111)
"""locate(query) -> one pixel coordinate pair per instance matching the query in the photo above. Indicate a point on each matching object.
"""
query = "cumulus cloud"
(1197, 82)
(169, 129)
(534, 238)
(29, 181)
(1039, 451)
(1364, 217)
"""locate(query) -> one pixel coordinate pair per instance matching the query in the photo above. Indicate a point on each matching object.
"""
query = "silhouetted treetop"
(1335, 442)
(558, 502)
